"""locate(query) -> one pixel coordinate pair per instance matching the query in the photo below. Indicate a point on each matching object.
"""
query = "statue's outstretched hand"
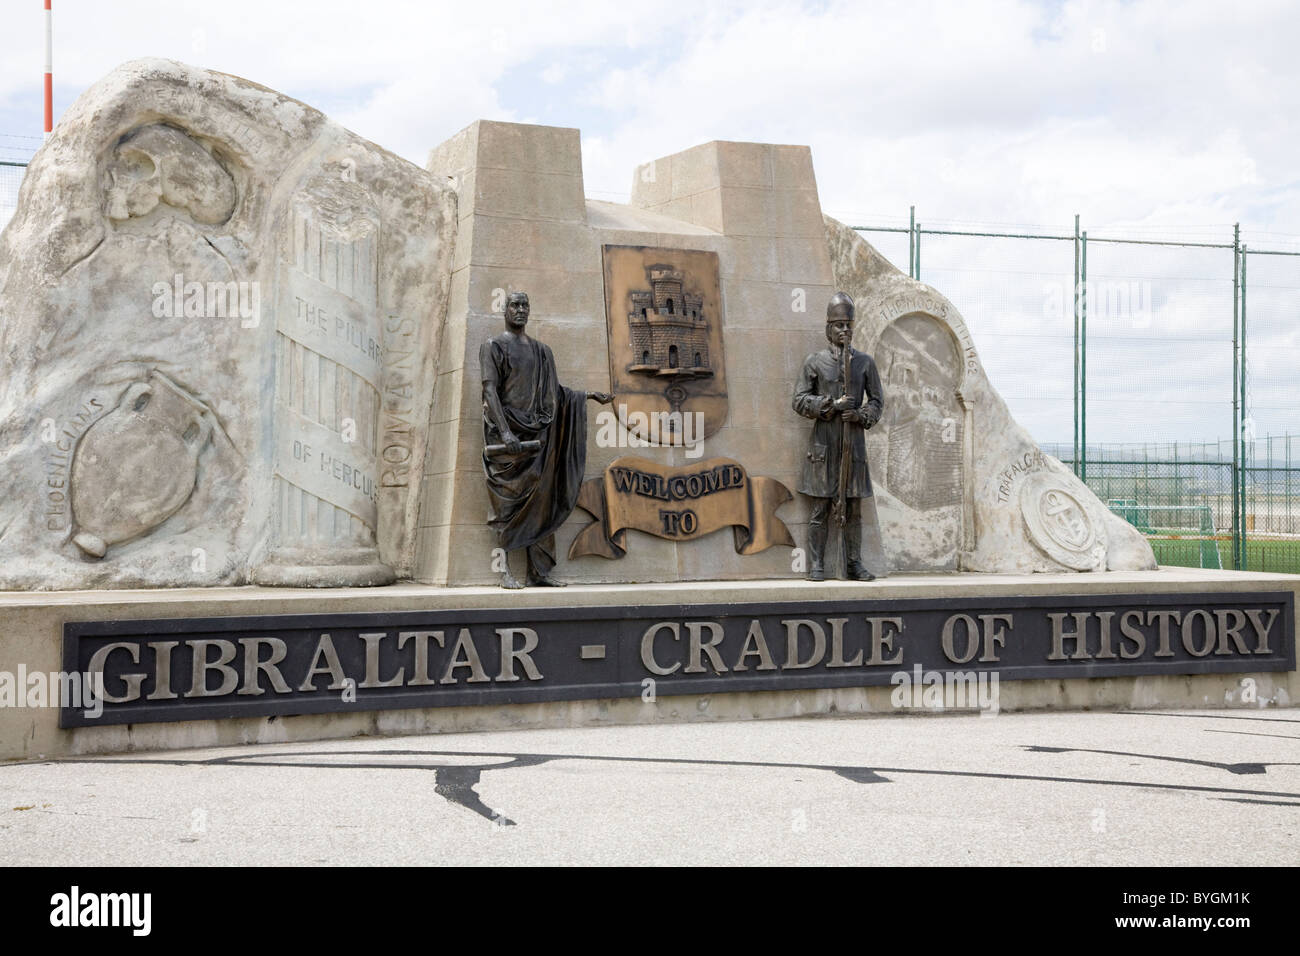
(604, 398)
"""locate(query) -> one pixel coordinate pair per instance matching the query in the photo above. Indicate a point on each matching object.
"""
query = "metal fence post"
(1083, 356)
(918, 253)
(1075, 288)
(1237, 518)
(1245, 557)
(911, 243)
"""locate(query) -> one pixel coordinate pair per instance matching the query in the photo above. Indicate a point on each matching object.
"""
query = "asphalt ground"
(1212, 788)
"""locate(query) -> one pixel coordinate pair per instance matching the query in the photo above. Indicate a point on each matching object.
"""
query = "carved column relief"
(968, 485)
(329, 366)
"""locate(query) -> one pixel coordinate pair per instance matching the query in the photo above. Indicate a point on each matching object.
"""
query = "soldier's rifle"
(840, 510)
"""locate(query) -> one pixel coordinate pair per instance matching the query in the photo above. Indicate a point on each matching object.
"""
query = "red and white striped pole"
(49, 70)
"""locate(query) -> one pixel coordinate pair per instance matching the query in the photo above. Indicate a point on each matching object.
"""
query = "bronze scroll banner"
(680, 504)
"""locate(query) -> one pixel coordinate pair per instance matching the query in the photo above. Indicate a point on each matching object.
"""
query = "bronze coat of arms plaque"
(663, 309)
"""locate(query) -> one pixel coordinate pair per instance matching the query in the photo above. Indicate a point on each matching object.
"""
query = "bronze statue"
(839, 389)
(534, 444)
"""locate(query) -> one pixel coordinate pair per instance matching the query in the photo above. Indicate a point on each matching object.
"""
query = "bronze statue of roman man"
(534, 444)
(839, 389)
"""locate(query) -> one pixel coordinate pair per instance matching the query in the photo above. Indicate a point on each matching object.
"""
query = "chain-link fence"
(11, 177)
(16, 150)
(1170, 354)
(1180, 495)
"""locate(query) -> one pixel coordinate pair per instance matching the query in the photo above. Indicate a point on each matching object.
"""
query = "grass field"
(1181, 548)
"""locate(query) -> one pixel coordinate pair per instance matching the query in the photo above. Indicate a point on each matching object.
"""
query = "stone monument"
(244, 346)
(220, 315)
(949, 462)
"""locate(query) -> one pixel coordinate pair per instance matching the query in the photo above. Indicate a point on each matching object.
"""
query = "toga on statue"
(534, 443)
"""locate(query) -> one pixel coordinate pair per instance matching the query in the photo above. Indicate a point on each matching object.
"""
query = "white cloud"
(1143, 116)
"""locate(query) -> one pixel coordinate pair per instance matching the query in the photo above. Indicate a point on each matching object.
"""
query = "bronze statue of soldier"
(534, 444)
(839, 389)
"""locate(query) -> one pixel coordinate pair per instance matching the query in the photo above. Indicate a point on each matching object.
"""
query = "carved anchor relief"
(137, 465)
(1059, 524)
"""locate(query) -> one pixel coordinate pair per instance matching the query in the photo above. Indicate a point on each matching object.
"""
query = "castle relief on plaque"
(663, 309)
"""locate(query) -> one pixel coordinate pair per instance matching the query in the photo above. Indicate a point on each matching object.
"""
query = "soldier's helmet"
(839, 298)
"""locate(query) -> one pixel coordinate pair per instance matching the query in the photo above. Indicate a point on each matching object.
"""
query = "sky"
(1146, 118)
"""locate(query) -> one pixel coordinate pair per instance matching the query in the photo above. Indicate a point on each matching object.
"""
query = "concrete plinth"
(31, 637)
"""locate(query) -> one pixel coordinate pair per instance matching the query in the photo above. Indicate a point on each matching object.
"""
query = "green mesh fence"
(1159, 343)
(1158, 353)
(1272, 370)
(1015, 296)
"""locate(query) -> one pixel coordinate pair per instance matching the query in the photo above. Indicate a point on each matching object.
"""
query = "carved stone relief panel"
(328, 379)
(920, 371)
(118, 492)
